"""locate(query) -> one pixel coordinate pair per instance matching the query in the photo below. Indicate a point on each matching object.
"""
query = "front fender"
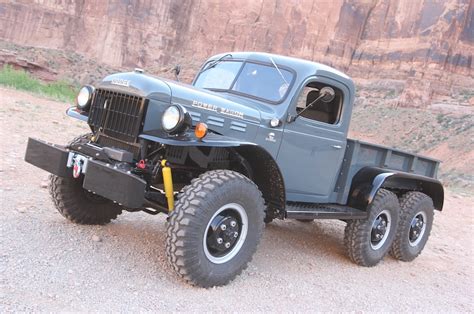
(266, 173)
(188, 139)
(369, 180)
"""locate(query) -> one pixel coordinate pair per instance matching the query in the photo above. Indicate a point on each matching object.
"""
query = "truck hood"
(138, 84)
(211, 103)
(195, 100)
(223, 116)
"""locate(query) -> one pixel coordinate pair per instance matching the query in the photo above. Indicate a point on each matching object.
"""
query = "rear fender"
(369, 180)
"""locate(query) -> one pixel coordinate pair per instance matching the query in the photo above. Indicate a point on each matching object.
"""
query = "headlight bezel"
(182, 125)
(88, 91)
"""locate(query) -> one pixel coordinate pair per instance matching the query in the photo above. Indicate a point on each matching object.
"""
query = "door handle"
(337, 146)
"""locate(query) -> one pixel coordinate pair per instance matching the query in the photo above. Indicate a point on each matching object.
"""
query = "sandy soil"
(49, 264)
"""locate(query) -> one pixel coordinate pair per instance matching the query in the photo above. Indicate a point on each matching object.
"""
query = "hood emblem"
(121, 82)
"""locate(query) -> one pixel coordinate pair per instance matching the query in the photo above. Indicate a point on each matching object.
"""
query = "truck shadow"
(145, 241)
(136, 241)
(317, 238)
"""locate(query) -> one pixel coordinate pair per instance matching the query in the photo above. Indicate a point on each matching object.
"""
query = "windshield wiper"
(212, 64)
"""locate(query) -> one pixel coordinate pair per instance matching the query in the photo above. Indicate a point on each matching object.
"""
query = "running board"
(315, 211)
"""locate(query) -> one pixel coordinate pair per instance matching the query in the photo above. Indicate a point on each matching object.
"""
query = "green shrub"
(22, 80)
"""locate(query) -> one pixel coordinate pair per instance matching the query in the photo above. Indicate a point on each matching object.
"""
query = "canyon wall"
(428, 42)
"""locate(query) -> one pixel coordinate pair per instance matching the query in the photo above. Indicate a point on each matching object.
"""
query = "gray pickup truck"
(255, 137)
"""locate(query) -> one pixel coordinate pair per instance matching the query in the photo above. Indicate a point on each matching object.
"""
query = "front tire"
(215, 228)
(367, 241)
(416, 221)
(79, 205)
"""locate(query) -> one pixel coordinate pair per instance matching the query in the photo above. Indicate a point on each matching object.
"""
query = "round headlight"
(175, 119)
(83, 99)
(171, 118)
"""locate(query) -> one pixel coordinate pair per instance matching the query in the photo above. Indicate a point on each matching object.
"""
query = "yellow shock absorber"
(168, 184)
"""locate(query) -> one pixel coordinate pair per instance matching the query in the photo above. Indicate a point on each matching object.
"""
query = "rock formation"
(428, 41)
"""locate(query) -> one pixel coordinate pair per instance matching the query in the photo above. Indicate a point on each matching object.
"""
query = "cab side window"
(321, 111)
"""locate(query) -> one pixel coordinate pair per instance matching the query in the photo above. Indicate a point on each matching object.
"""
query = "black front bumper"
(102, 178)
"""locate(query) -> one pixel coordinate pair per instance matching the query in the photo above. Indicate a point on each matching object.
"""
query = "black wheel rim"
(380, 229)
(417, 228)
(225, 233)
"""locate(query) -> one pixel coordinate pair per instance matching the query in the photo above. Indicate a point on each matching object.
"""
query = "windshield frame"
(245, 61)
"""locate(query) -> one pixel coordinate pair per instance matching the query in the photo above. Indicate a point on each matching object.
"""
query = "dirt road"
(50, 264)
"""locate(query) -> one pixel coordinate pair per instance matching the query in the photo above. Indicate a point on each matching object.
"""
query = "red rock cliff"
(409, 39)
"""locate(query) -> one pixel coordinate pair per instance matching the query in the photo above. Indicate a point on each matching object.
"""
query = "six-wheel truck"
(256, 137)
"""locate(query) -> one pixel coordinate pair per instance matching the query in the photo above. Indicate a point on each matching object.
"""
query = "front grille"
(117, 115)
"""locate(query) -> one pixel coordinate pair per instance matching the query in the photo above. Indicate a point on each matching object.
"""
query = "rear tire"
(199, 248)
(416, 221)
(367, 241)
(77, 204)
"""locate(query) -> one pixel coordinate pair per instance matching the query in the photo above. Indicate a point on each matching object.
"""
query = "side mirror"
(176, 71)
(328, 94)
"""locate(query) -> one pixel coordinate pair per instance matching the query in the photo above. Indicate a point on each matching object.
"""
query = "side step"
(317, 211)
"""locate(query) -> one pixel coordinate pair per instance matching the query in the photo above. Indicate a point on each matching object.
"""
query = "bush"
(22, 80)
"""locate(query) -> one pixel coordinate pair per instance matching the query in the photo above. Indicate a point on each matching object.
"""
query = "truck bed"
(361, 154)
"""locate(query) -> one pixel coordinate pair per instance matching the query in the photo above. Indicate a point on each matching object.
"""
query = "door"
(313, 145)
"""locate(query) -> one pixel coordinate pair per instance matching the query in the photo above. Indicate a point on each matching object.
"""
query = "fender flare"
(267, 173)
(267, 176)
(368, 180)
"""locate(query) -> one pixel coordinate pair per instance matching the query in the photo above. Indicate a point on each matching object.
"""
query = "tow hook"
(77, 169)
(141, 164)
(78, 163)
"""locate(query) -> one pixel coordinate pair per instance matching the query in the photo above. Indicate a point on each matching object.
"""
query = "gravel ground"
(50, 264)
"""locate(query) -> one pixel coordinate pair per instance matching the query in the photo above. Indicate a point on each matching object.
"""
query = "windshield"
(253, 79)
